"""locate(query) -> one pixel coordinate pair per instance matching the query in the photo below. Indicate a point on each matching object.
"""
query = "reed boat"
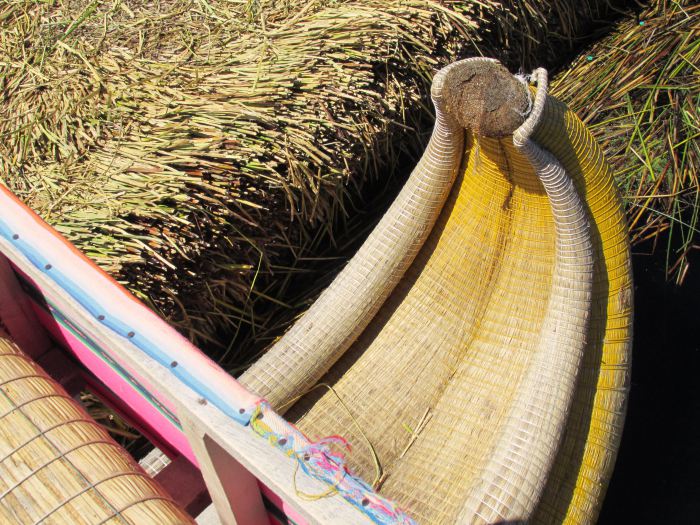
(474, 352)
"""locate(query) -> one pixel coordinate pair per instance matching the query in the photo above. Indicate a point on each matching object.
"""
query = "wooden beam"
(233, 489)
(241, 445)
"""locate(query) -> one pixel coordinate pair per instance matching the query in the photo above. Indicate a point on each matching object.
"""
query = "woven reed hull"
(582, 469)
(57, 465)
(431, 381)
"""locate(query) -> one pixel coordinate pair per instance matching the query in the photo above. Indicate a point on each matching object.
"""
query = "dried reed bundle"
(186, 145)
(202, 151)
(535, 33)
(639, 92)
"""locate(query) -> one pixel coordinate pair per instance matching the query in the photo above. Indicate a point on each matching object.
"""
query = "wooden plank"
(233, 490)
(269, 465)
(275, 470)
(208, 516)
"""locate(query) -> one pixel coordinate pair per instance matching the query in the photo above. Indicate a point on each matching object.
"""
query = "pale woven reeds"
(490, 377)
(58, 466)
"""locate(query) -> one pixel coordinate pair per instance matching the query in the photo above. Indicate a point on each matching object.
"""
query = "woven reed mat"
(57, 465)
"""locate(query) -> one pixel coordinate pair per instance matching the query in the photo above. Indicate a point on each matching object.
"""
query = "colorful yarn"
(323, 461)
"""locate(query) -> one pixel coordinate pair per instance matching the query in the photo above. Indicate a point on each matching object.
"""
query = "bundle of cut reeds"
(198, 149)
(639, 92)
(537, 33)
(185, 146)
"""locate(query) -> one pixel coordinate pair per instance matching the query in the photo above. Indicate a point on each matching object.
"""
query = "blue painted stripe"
(106, 357)
(120, 328)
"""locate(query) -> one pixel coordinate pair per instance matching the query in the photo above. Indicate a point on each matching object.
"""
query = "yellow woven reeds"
(586, 458)
(59, 466)
(434, 380)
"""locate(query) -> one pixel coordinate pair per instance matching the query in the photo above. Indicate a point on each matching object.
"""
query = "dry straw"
(639, 91)
(200, 150)
(186, 146)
